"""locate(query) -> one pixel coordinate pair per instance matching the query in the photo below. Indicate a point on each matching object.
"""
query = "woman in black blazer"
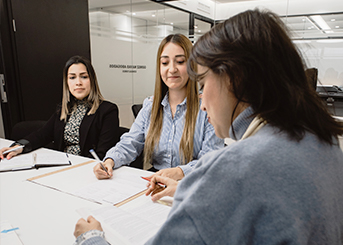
(82, 122)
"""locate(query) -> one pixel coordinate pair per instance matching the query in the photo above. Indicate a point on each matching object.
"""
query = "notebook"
(34, 160)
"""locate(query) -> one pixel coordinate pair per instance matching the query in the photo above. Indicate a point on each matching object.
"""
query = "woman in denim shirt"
(171, 128)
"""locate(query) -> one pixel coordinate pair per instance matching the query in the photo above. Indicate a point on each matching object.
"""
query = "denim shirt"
(166, 154)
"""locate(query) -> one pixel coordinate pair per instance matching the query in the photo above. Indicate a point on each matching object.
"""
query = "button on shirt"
(166, 154)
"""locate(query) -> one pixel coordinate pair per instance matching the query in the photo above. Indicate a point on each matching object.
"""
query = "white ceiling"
(158, 14)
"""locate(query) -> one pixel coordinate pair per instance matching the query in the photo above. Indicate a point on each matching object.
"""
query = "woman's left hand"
(173, 173)
(83, 226)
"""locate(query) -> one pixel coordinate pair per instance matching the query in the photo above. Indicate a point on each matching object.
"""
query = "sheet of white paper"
(81, 182)
(9, 238)
(134, 222)
(144, 208)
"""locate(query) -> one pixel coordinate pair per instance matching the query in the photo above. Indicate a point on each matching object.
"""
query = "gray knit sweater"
(265, 189)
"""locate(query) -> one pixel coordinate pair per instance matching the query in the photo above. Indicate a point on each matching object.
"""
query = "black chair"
(123, 130)
(24, 128)
(138, 163)
(136, 108)
(312, 77)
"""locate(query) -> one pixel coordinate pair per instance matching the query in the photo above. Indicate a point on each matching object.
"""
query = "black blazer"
(99, 131)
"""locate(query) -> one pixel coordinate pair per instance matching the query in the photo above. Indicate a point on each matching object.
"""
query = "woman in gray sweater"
(281, 182)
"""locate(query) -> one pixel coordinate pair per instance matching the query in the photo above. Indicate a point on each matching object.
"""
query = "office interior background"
(125, 34)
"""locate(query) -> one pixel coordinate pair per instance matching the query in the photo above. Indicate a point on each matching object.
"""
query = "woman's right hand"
(156, 191)
(100, 173)
(10, 154)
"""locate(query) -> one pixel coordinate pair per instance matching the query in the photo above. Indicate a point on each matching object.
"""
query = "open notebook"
(34, 160)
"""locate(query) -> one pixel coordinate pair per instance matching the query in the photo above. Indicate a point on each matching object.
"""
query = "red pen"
(148, 179)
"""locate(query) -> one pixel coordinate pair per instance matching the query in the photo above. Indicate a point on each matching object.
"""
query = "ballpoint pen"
(97, 158)
(13, 149)
(158, 183)
(9, 230)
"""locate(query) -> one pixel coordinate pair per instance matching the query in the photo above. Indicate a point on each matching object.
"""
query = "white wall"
(124, 86)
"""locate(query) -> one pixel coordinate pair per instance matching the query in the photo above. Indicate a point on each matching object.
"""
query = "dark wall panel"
(47, 34)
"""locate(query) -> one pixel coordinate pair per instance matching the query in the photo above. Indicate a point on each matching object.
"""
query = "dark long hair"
(266, 71)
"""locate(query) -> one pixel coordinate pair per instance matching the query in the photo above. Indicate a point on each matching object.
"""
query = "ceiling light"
(153, 15)
(172, 23)
(336, 26)
(321, 23)
(333, 19)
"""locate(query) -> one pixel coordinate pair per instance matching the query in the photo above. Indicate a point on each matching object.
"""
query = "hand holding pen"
(10, 152)
(103, 170)
(157, 191)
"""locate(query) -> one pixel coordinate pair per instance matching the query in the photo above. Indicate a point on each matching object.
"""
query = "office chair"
(136, 108)
(138, 163)
(312, 77)
(24, 128)
(123, 130)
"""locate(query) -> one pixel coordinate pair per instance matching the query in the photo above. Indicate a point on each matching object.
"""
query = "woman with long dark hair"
(82, 122)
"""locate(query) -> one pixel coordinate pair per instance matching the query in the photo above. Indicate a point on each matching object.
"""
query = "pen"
(160, 184)
(97, 158)
(13, 229)
(13, 149)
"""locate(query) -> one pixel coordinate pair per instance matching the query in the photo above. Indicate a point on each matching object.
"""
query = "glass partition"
(125, 35)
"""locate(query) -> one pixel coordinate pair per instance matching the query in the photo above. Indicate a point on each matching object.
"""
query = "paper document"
(34, 160)
(134, 223)
(81, 182)
(8, 235)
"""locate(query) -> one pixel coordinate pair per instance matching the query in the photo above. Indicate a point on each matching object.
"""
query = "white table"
(43, 215)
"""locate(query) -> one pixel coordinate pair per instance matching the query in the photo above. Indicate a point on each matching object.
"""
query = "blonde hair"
(156, 118)
(94, 98)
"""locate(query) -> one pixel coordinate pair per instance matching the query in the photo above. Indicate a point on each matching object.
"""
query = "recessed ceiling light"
(172, 23)
(199, 30)
(333, 19)
(133, 13)
(320, 22)
(336, 26)
(153, 15)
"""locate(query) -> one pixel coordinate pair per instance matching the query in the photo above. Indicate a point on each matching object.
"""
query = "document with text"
(133, 223)
(81, 182)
